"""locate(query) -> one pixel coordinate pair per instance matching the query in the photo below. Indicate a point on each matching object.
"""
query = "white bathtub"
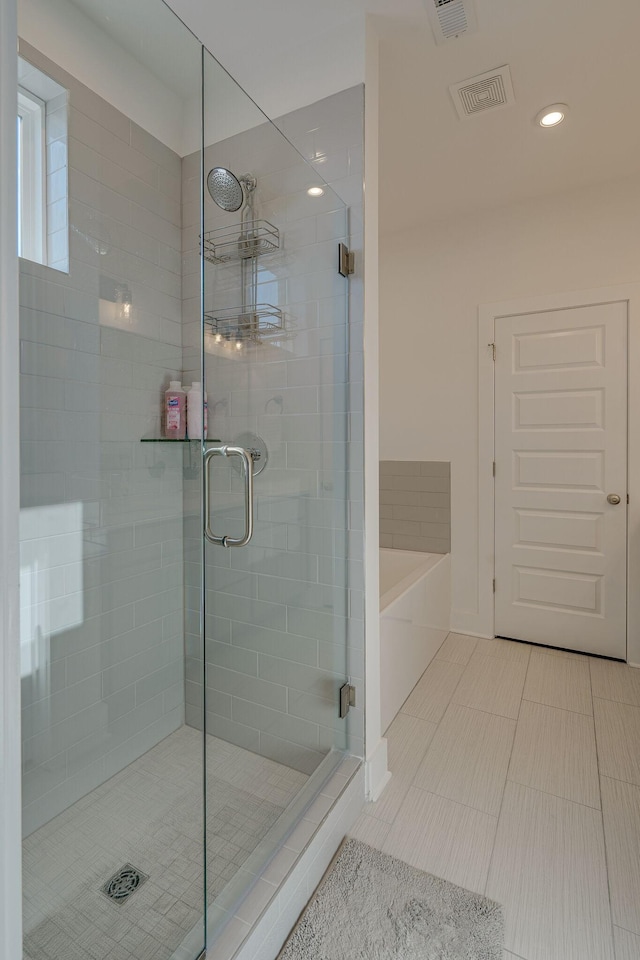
(415, 608)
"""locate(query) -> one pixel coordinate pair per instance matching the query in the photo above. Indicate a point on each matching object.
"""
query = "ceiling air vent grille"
(451, 18)
(488, 91)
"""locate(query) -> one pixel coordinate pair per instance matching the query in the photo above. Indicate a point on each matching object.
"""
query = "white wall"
(142, 60)
(376, 745)
(62, 32)
(432, 281)
(303, 58)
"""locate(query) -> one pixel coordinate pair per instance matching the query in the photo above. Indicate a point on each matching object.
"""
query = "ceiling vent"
(451, 18)
(487, 91)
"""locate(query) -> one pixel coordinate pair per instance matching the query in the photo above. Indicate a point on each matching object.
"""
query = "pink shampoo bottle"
(175, 411)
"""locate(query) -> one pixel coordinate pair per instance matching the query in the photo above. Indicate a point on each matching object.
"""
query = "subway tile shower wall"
(415, 505)
(284, 624)
(101, 562)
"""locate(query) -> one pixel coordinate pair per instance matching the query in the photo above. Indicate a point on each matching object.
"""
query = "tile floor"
(150, 815)
(516, 773)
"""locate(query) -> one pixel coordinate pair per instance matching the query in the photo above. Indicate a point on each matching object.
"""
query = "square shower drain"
(123, 883)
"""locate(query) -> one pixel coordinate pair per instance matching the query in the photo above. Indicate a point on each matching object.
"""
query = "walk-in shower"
(180, 698)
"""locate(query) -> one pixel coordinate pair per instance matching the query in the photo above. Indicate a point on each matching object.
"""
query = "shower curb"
(265, 936)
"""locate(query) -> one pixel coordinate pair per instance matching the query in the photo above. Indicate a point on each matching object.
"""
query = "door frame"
(487, 316)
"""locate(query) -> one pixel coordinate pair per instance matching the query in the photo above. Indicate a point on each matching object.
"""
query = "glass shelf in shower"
(182, 440)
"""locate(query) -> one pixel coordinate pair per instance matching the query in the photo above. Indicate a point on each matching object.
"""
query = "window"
(42, 168)
(31, 177)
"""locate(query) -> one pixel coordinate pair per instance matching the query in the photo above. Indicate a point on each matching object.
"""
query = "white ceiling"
(580, 52)
(287, 53)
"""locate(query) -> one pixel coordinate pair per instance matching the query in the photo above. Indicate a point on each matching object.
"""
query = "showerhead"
(225, 189)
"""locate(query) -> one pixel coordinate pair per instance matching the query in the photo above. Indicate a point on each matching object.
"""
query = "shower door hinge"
(347, 699)
(346, 260)
(492, 346)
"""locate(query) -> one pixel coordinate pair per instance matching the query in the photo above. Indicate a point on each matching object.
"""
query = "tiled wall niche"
(415, 505)
(277, 611)
(101, 517)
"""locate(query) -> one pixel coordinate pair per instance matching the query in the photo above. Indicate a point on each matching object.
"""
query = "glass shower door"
(274, 360)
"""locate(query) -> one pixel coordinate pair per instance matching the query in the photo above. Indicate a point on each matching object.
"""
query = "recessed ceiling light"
(552, 115)
(315, 192)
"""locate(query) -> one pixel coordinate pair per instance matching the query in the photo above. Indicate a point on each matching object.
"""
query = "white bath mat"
(371, 906)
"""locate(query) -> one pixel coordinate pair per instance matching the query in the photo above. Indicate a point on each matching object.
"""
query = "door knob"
(614, 499)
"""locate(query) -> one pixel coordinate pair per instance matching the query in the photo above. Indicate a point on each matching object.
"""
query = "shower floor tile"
(149, 815)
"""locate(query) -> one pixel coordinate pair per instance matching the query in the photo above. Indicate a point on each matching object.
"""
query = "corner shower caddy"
(243, 243)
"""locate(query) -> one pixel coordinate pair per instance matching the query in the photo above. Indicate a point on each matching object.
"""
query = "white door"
(561, 462)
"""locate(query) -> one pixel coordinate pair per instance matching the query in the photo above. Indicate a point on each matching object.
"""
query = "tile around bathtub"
(420, 544)
(415, 498)
(399, 468)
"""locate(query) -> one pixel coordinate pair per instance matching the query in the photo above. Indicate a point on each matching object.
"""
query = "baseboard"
(471, 624)
(377, 773)
(470, 633)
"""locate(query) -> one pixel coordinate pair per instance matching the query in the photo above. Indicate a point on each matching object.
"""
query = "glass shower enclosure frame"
(186, 625)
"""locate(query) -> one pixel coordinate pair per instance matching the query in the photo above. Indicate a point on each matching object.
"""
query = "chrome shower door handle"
(226, 450)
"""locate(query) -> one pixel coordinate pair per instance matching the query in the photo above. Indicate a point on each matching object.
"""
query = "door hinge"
(494, 585)
(492, 347)
(627, 498)
(346, 260)
(494, 468)
(347, 699)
